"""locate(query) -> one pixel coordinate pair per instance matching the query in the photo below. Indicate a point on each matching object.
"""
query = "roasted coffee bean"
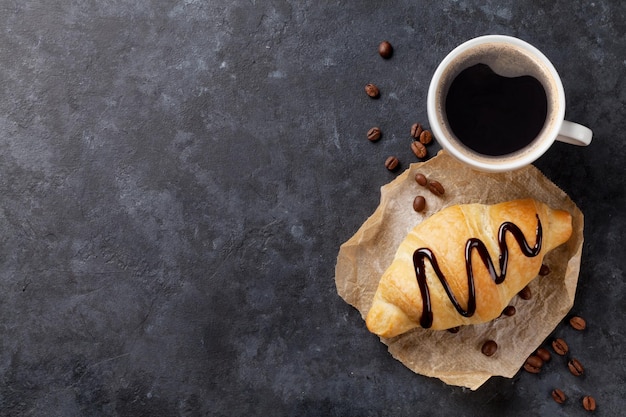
(374, 134)
(436, 188)
(575, 367)
(533, 364)
(421, 179)
(544, 270)
(558, 396)
(416, 131)
(392, 163)
(509, 311)
(489, 348)
(525, 293)
(531, 369)
(544, 354)
(426, 137)
(454, 329)
(589, 403)
(578, 323)
(419, 149)
(385, 49)
(560, 347)
(372, 91)
(535, 361)
(419, 204)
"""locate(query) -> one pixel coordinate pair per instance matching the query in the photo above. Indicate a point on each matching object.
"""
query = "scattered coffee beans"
(544, 354)
(419, 149)
(419, 204)
(525, 293)
(509, 311)
(416, 131)
(558, 396)
(436, 188)
(575, 367)
(426, 137)
(560, 347)
(533, 364)
(489, 348)
(544, 270)
(385, 49)
(374, 134)
(372, 91)
(392, 163)
(421, 179)
(589, 403)
(578, 323)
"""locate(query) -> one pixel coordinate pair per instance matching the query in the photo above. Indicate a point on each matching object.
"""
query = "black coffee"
(495, 115)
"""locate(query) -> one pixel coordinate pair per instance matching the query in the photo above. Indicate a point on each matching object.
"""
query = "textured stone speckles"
(175, 180)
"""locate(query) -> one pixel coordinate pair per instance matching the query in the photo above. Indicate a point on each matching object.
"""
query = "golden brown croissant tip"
(387, 320)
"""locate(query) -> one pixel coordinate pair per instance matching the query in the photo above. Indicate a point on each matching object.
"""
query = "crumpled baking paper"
(456, 359)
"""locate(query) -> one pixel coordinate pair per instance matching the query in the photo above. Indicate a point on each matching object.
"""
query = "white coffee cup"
(507, 57)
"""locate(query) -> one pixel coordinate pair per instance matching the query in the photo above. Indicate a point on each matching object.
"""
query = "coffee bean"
(436, 188)
(419, 149)
(533, 364)
(589, 403)
(385, 49)
(416, 131)
(419, 204)
(530, 369)
(372, 91)
(392, 163)
(560, 347)
(454, 329)
(544, 270)
(421, 179)
(426, 137)
(374, 134)
(578, 323)
(525, 293)
(558, 396)
(509, 311)
(575, 367)
(544, 354)
(489, 348)
(535, 361)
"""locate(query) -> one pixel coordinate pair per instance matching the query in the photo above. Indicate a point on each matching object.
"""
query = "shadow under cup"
(505, 59)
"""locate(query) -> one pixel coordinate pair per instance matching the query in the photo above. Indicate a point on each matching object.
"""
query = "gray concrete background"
(176, 178)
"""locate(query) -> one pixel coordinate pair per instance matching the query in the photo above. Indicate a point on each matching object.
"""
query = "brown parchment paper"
(456, 359)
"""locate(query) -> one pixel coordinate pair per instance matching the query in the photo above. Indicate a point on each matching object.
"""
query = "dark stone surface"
(176, 179)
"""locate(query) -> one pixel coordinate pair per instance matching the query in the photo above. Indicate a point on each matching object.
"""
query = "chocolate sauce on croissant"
(473, 244)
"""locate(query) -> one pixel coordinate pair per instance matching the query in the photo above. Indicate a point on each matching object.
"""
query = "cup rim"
(495, 164)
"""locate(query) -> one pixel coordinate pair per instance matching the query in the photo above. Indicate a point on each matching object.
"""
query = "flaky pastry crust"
(398, 304)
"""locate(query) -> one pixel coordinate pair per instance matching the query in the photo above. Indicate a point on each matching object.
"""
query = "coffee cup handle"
(574, 134)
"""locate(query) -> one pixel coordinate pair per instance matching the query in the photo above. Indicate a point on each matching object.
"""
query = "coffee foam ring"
(456, 359)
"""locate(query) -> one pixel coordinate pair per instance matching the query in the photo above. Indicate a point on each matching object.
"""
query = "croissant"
(464, 264)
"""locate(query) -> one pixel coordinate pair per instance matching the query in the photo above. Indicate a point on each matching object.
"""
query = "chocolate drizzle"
(473, 244)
